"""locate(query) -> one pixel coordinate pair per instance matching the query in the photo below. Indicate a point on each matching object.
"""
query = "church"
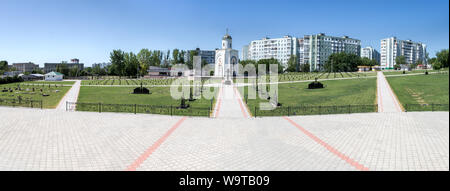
(226, 59)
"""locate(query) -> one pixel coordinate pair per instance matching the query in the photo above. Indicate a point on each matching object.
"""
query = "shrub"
(9, 79)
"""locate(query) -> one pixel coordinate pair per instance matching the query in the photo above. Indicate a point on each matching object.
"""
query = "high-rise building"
(245, 52)
(25, 67)
(278, 48)
(393, 47)
(317, 48)
(208, 55)
(52, 67)
(301, 50)
(370, 53)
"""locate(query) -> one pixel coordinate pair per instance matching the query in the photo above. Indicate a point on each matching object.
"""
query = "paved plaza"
(33, 139)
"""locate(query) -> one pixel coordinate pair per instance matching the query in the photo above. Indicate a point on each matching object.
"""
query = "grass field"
(51, 82)
(302, 76)
(26, 93)
(113, 81)
(335, 93)
(160, 96)
(422, 89)
(398, 72)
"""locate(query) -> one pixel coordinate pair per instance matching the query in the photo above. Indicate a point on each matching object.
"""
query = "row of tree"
(264, 62)
(337, 62)
(441, 60)
(130, 64)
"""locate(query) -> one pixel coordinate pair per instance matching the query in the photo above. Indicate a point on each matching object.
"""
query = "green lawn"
(26, 93)
(336, 93)
(51, 82)
(113, 81)
(422, 89)
(398, 72)
(160, 96)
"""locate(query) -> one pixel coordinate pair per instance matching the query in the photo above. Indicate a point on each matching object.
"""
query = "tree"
(73, 72)
(117, 58)
(246, 62)
(181, 56)
(417, 63)
(368, 62)
(204, 63)
(442, 58)
(175, 56)
(399, 61)
(342, 62)
(3, 65)
(305, 67)
(156, 58)
(292, 64)
(131, 64)
(190, 63)
(268, 62)
(37, 71)
(63, 69)
(145, 58)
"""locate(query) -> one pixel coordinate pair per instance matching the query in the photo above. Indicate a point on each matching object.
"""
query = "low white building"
(54, 76)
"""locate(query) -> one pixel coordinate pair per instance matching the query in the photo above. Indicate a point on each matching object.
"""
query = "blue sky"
(56, 30)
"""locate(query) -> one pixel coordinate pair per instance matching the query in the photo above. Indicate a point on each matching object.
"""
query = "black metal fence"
(315, 110)
(426, 107)
(21, 103)
(138, 108)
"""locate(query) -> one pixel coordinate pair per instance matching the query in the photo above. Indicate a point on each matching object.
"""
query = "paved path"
(387, 100)
(71, 96)
(33, 139)
(229, 103)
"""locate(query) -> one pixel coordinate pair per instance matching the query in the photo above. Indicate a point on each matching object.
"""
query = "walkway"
(71, 96)
(387, 100)
(34, 139)
(229, 103)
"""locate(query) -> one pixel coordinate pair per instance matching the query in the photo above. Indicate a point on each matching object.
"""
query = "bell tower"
(227, 41)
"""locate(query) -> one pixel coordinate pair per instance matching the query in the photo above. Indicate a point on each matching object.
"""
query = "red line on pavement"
(391, 93)
(379, 95)
(239, 99)
(155, 146)
(219, 102)
(329, 147)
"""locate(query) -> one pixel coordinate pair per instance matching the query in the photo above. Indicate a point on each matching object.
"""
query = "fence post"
(289, 111)
(66, 105)
(171, 107)
(31, 103)
(349, 109)
(41, 104)
(432, 107)
(255, 112)
(99, 107)
(319, 110)
(134, 108)
(406, 107)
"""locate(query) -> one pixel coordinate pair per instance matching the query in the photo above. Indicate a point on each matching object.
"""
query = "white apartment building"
(245, 52)
(317, 48)
(370, 53)
(393, 47)
(278, 48)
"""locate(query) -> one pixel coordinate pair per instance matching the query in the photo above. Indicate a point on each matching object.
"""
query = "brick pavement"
(33, 139)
